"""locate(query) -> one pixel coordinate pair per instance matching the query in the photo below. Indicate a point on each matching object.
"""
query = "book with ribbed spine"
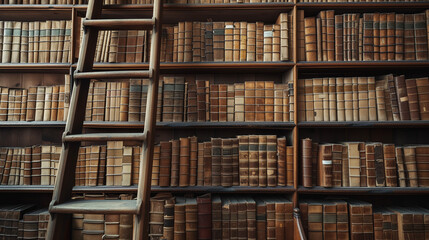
(282, 168)
(411, 165)
(244, 159)
(399, 154)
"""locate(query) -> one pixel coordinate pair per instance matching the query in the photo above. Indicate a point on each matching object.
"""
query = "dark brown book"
(329, 220)
(420, 36)
(370, 165)
(342, 220)
(207, 165)
(356, 210)
(281, 162)
(391, 37)
(411, 165)
(325, 165)
(362, 157)
(226, 215)
(235, 163)
(216, 161)
(315, 220)
(226, 163)
(204, 205)
(193, 160)
(399, 39)
(168, 229)
(253, 160)
(233, 218)
(390, 165)
(201, 100)
(310, 39)
(165, 163)
(422, 161)
(289, 165)
(306, 154)
(262, 153)
(337, 158)
(241, 218)
(409, 40)
(379, 165)
(218, 41)
(156, 215)
(271, 160)
(180, 219)
(223, 102)
(261, 219)
(413, 99)
(175, 161)
(399, 154)
(216, 217)
(259, 101)
(368, 40)
(214, 102)
(184, 163)
(423, 95)
(378, 224)
(191, 218)
(339, 38)
(200, 164)
(243, 142)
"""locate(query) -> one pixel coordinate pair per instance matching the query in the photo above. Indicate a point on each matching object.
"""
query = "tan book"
(318, 99)
(348, 99)
(259, 41)
(355, 97)
(236, 42)
(16, 42)
(354, 164)
(45, 173)
(230, 103)
(339, 85)
(136, 165)
(244, 41)
(223, 102)
(269, 101)
(99, 101)
(411, 165)
(278, 102)
(363, 99)
(332, 100)
(187, 50)
(249, 101)
(219, 41)
(127, 162)
(370, 165)
(251, 42)
(422, 163)
(276, 46)
(239, 102)
(55, 102)
(268, 43)
(310, 39)
(7, 41)
(48, 103)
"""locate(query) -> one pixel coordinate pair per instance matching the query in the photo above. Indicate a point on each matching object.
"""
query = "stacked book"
(366, 37)
(220, 217)
(35, 42)
(354, 219)
(360, 164)
(35, 165)
(248, 160)
(41, 103)
(203, 42)
(191, 100)
(383, 98)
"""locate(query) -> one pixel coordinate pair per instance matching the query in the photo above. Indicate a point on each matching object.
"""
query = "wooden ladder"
(62, 206)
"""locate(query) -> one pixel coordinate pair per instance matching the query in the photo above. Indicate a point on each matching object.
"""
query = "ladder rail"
(67, 165)
(141, 230)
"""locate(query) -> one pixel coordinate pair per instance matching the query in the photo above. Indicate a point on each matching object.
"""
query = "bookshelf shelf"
(362, 64)
(35, 67)
(365, 124)
(365, 190)
(362, 5)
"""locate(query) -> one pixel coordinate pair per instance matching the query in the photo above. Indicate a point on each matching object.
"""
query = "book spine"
(310, 39)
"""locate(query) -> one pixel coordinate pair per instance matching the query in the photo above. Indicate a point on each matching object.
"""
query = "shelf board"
(366, 5)
(36, 67)
(40, 124)
(37, 7)
(365, 190)
(363, 64)
(365, 124)
(26, 189)
(199, 189)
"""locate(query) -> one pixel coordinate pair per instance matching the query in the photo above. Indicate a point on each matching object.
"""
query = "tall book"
(310, 39)
(354, 164)
(306, 162)
(325, 165)
(184, 162)
(390, 165)
(413, 100)
(411, 165)
(216, 161)
(204, 206)
(282, 173)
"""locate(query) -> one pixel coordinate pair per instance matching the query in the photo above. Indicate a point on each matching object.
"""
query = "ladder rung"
(97, 206)
(113, 74)
(120, 24)
(105, 137)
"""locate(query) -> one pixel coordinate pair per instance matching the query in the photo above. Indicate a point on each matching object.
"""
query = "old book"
(330, 35)
(309, 99)
(379, 165)
(391, 25)
(390, 165)
(402, 97)
(127, 163)
(168, 99)
(315, 220)
(279, 90)
(262, 153)
(422, 163)
(318, 99)
(363, 99)
(281, 162)
(191, 218)
(348, 99)
(354, 164)
(355, 98)
(175, 160)
(45, 165)
(200, 164)
(7, 41)
(249, 101)
(40, 97)
(325, 165)
(393, 97)
(216, 161)
(310, 39)
(204, 210)
(260, 105)
(420, 36)
(332, 100)
(342, 218)
(272, 160)
(251, 42)
(93, 224)
(187, 42)
(253, 160)
(368, 40)
(226, 215)
(16, 41)
(275, 56)
(244, 159)
(378, 223)
(259, 41)
(362, 158)
(413, 100)
(178, 103)
(423, 96)
(307, 162)
(229, 41)
(4, 96)
(193, 159)
(239, 102)
(261, 219)
(180, 218)
(301, 100)
(409, 40)
(372, 100)
(370, 165)
(399, 37)
(165, 162)
(216, 217)
(184, 163)
(111, 226)
(233, 218)
(399, 154)
(337, 151)
(218, 41)
(315, 163)
(223, 102)
(168, 224)
(411, 165)
(226, 163)
(381, 106)
(339, 56)
(356, 210)
(201, 100)
(207, 165)
(214, 102)
(329, 220)
(405, 222)
(269, 101)
(99, 101)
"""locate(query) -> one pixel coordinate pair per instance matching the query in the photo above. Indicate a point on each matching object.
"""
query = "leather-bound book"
(179, 92)
(379, 165)
(251, 42)
(372, 100)
(367, 221)
(370, 165)
(111, 226)
(134, 100)
(393, 97)
(413, 99)
(230, 103)
(31, 104)
(241, 218)
(191, 111)
(356, 210)
(229, 41)
(268, 101)
(262, 153)
(409, 40)
(310, 39)
(261, 219)
(196, 42)
(99, 101)
(165, 163)
(3, 156)
(420, 36)
(281, 161)
(394, 220)
(226, 215)
(399, 154)
(422, 160)
(383, 36)
(303, 207)
(291, 107)
(399, 37)
(26, 160)
(315, 220)
(337, 158)
(330, 32)
(208, 41)
(233, 218)
(242, 38)
(329, 220)
(271, 160)
(5, 99)
(253, 160)
(279, 91)
(339, 56)
(325, 165)
(193, 161)
(354, 164)
(207, 165)
(239, 102)
(7, 165)
(226, 163)
(391, 37)
(376, 36)
(200, 164)
(342, 218)
(180, 41)
(363, 99)
(321, 35)
(216, 217)
(204, 205)
(355, 98)
(268, 43)
(201, 100)
(235, 163)
(135, 166)
(259, 41)
(423, 95)
(216, 161)
(301, 100)
(93, 224)
(271, 217)
(411, 165)
(276, 43)
(191, 218)
(218, 41)
(250, 217)
(289, 165)
(390, 165)
(348, 99)
(309, 99)
(243, 142)
(368, 40)
(381, 106)
(168, 229)
(31, 224)
(332, 100)
(378, 224)
(214, 103)
(362, 158)
(223, 104)
(318, 99)
(345, 167)
(184, 162)
(259, 101)
(307, 171)
(175, 163)
(180, 219)
(315, 163)
(325, 99)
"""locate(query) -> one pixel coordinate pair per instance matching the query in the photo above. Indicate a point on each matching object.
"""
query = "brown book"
(4, 103)
(405, 222)
(168, 229)
(226, 163)
(409, 40)
(412, 97)
(393, 98)
(251, 42)
(310, 39)
(329, 220)
(233, 218)
(244, 160)
(253, 160)
(354, 164)
(339, 56)
(260, 101)
(420, 36)
(362, 157)
(315, 220)
(111, 226)
(155, 165)
(35, 165)
(229, 41)
(281, 162)
(271, 160)
(279, 91)
(423, 95)
(207, 165)
(309, 99)
(348, 99)
(422, 165)
(269, 101)
(226, 215)
(289, 165)
(363, 99)
(249, 101)
(239, 102)
(180, 219)
(355, 98)
(315, 163)
(378, 224)
(381, 106)
(168, 100)
(165, 162)
(356, 210)
(379, 165)
(368, 40)
(260, 35)
(184, 163)
(275, 57)
(262, 153)
(193, 161)
(223, 102)
(330, 35)
(325, 165)
(383, 36)
(345, 167)
(307, 171)
(201, 100)
(191, 218)
(391, 36)
(261, 219)
(175, 163)
(318, 99)
(342, 220)
(301, 99)
(372, 100)
(216, 161)
(178, 103)
(411, 166)
(219, 41)
(390, 165)
(337, 158)
(200, 164)
(370, 165)
(399, 154)
(216, 217)
(214, 102)
(204, 206)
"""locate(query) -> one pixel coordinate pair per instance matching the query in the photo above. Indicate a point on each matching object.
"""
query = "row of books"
(33, 165)
(382, 98)
(191, 99)
(202, 42)
(366, 37)
(354, 219)
(248, 160)
(41, 103)
(363, 164)
(220, 217)
(23, 221)
(35, 42)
